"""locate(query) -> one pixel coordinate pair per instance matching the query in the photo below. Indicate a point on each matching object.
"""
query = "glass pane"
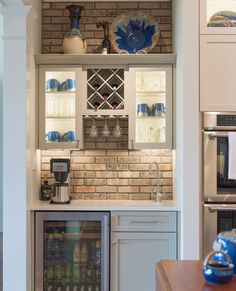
(151, 107)
(72, 255)
(224, 185)
(60, 106)
(221, 13)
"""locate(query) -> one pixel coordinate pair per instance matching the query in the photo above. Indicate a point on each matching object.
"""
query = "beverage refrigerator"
(72, 251)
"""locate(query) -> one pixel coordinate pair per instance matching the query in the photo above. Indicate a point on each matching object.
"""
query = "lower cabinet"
(136, 249)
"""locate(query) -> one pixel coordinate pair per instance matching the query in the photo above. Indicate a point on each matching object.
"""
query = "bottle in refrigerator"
(76, 262)
(84, 253)
(98, 253)
(98, 261)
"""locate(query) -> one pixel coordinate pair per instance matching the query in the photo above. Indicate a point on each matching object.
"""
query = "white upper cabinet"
(86, 98)
(217, 17)
(217, 72)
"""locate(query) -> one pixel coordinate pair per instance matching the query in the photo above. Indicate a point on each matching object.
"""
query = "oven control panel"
(226, 120)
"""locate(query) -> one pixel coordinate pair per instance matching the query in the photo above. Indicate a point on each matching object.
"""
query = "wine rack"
(105, 89)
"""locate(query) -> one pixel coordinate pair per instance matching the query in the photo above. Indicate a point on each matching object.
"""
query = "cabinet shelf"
(150, 92)
(60, 92)
(60, 117)
(148, 118)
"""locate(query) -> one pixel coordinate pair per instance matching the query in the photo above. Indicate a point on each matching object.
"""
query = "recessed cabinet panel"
(217, 72)
(153, 108)
(57, 108)
(134, 257)
(218, 17)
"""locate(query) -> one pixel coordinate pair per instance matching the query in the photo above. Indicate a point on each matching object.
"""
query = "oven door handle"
(221, 207)
(213, 135)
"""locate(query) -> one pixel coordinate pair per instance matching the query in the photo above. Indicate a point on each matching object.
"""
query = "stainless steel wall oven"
(219, 191)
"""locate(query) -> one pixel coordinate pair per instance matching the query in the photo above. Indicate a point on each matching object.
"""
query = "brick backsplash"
(114, 174)
(55, 22)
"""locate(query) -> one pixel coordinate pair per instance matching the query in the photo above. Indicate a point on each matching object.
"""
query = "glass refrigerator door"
(72, 253)
(59, 108)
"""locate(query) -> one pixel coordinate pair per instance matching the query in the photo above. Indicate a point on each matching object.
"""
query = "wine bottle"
(114, 86)
(96, 86)
(96, 105)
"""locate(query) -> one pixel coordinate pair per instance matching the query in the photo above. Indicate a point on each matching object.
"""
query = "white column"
(188, 157)
(1, 122)
(14, 147)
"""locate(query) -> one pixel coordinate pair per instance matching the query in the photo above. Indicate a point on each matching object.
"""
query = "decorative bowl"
(218, 272)
(223, 19)
(226, 243)
(134, 32)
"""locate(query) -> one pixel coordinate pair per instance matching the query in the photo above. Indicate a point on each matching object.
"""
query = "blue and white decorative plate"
(133, 33)
(223, 19)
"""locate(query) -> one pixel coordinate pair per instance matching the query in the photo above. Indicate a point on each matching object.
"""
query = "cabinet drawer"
(144, 221)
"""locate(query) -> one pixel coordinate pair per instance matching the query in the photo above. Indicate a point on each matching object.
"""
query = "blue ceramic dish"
(218, 272)
(226, 243)
(134, 32)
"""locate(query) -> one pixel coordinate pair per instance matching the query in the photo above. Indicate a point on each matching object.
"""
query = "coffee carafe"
(60, 168)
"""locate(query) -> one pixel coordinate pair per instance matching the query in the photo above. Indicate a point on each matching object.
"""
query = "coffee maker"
(60, 168)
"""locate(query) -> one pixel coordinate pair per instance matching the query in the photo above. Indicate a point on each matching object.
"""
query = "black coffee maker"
(60, 168)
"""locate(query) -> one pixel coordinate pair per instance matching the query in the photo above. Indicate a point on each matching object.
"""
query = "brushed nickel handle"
(213, 209)
(144, 221)
(215, 135)
(116, 241)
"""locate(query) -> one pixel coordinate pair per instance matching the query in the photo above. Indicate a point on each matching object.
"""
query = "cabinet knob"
(116, 241)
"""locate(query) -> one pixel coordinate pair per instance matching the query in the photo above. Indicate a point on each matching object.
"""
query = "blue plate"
(133, 33)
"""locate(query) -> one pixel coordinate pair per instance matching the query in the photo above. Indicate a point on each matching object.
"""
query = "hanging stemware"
(93, 131)
(117, 129)
(105, 131)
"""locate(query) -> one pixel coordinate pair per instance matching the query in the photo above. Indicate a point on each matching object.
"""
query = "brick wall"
(114, 174)
(55, 22)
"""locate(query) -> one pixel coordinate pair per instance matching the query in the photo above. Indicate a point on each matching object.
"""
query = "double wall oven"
(219, 190)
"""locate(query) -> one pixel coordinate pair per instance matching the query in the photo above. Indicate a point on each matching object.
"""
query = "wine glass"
(105, 131)
(117, 129)
(93, 131)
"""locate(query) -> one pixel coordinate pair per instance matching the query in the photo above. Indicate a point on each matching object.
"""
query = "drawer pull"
(144, 221)
(115, 242)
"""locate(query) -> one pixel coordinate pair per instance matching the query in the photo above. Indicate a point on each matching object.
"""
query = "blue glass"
(69, 136)
(53, 136)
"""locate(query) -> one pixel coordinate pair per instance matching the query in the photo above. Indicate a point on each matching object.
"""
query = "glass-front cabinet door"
(151, 97)
(218, 16)
(59, 97)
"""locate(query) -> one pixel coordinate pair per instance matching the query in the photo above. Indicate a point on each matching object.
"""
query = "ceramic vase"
(74, 42)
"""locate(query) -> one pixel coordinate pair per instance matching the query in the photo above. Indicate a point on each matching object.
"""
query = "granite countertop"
(103, 205)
